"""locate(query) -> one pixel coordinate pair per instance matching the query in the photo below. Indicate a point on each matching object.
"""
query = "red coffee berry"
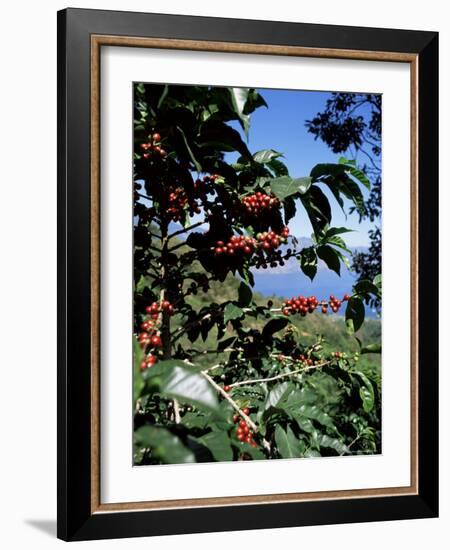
(156, 340)
(227, 388)
(156, 137)
(143, 365)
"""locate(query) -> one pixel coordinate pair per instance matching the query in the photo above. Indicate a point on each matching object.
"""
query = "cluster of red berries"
(149, 336)
(269, 240)
(243, 432)
(148, 362)
(300, 304)
(259, 203)
(238, 244)
(304, 305)
(178, 201)
(335, 304)
(155, 308)
(152, 147)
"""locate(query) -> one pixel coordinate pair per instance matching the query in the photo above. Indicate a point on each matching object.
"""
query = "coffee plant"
(232, 378)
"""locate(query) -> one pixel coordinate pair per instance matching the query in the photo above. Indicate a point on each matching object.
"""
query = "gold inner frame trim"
(97, 41)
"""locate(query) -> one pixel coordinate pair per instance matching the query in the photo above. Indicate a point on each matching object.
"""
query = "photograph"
(257, 227)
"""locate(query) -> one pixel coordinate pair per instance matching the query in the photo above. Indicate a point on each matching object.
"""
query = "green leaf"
(289, 209)
(303, 184)
(232, 312)
(343, 160)
(350, 166)
(288, 445)
(336, 177)
(311, 453)
(194, 420)
(245, 295)
(330, 257)
(366, 287)
(339, 242)
(163, 96)
(164, 445)
(276, 394)
(308, 262)
(304, 423)
(351, 190)
(219, 445)
(371, 348)
(354, 314)
(333, 443)
(254, 100)
(266, 155)
(325, 169)
(377, 280)
(278, 168)
(197, 165)
(283, 187)
(238, 100)
(359, 175)
(220, 136)
(317, 207)
(274, 325)
(286, 186)
(174, 379)
(337, 231)
(366, 392)
(313, 412)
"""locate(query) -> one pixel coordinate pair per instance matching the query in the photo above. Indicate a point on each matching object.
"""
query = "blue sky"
(282, 127)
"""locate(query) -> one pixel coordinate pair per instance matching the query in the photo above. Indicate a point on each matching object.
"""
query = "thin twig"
(279, 376)
(176, 247)
(235, 406)
(186, 229)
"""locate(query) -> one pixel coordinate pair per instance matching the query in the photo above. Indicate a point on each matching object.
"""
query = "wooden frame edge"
(261, 49)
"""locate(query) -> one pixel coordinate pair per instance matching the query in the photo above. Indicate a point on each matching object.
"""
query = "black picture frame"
(75, 518)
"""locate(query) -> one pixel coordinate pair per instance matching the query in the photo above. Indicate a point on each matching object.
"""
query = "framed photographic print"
(247, 274)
